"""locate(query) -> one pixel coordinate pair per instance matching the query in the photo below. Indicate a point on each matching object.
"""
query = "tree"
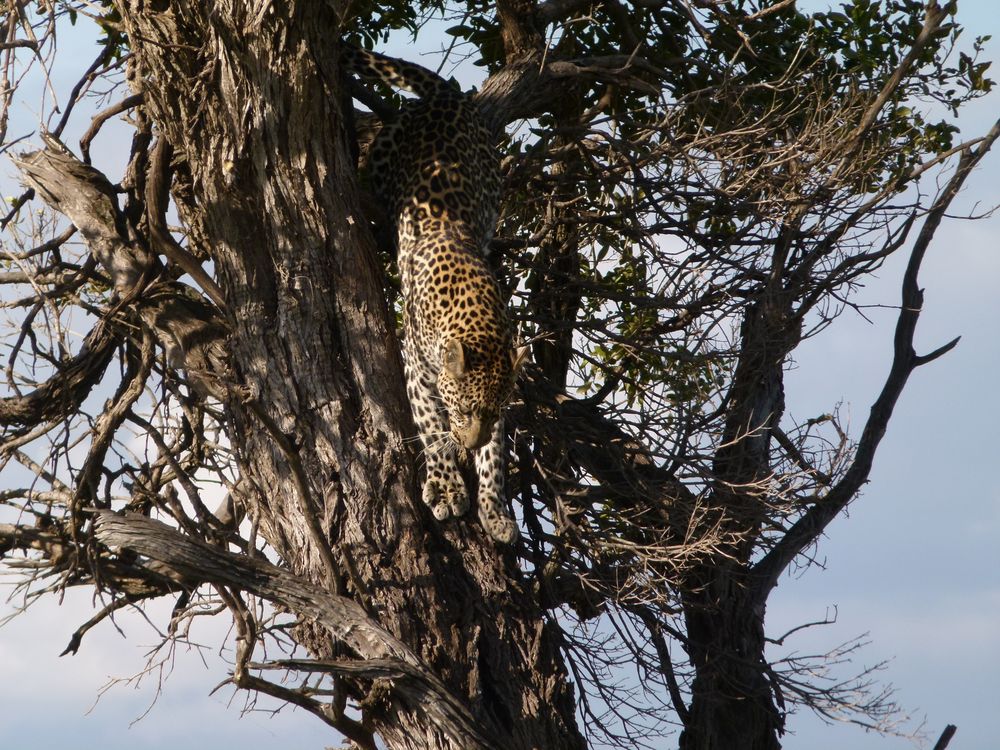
(695, 188)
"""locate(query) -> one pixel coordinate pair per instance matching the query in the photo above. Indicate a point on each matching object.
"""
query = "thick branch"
(198, 562)
(63, 393)
(87, 198)
(191, 330)
(560, 10)
(518, 29)
(529, 87)
(59, 553)
(157, 194)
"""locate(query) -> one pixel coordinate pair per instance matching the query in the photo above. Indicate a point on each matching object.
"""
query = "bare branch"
(190, 330)
(101, 117)
(85, 196)
(63, 393)
(808, 528)
(157, 194)
(198, 562)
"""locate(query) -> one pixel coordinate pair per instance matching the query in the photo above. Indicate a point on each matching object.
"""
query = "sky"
(915, 565)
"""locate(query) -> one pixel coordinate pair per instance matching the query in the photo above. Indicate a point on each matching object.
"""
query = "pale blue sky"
(916, 565)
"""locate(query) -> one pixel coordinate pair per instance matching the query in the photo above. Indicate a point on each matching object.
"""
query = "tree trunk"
(732, 700)
(732, 697)
(248, 99)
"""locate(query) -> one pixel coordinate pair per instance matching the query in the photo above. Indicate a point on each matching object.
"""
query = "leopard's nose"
(477, 441)
(477, 435)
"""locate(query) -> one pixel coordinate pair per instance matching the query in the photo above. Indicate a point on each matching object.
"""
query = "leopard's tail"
(399, 73)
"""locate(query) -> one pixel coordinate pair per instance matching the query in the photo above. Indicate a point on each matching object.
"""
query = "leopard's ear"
(454, 358)
(518, 356)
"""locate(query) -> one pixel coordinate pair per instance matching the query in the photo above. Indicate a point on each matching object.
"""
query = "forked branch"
(190, 329)
(807, 529)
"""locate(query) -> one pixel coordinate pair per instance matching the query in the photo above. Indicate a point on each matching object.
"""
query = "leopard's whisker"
(435, 446)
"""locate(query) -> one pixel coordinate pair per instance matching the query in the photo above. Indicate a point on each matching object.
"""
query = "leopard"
(436, 172)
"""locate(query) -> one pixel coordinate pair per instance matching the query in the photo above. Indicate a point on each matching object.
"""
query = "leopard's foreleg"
(493, 512)
(444, 489)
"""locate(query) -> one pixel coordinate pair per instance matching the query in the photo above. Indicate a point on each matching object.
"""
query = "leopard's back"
(434, 167)
(437, 174)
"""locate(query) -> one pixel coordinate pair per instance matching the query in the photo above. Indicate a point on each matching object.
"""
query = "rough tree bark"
(247, 98)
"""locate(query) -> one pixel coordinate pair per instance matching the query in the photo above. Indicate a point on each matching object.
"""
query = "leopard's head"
(475, 385)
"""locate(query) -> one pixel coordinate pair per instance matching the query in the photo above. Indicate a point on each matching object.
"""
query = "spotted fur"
(435, 170)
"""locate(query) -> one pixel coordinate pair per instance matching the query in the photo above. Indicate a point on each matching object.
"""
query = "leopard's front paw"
(445, 497)
(497, 520)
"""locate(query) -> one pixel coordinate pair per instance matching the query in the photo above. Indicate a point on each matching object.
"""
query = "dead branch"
(63, 393)
(191, 331)
(197, 562)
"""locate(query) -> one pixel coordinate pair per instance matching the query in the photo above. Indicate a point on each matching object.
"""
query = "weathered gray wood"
(87, 198)
(190, 329)
(195, 562)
